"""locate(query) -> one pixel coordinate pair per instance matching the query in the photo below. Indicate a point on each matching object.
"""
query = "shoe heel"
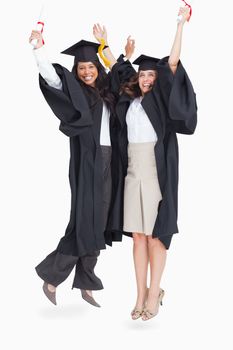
(161, 296)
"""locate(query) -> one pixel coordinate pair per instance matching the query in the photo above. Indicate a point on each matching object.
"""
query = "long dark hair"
(101, 89)
(131, 87)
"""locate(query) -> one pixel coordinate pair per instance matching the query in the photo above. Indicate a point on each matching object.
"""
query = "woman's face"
(146, 79)
(87, 72)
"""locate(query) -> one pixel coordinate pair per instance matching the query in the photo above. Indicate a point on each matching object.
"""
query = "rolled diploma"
(179, 18)
(39, 26)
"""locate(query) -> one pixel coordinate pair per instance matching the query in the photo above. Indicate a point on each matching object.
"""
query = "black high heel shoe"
(50, 295)
(89, 299)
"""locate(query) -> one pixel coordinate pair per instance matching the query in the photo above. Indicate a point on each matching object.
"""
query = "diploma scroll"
(39, 26)
(179, 18)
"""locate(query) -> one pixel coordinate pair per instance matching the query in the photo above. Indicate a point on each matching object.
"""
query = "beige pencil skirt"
(142, 192)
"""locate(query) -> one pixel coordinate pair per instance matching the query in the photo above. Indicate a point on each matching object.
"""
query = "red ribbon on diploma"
(42, 23)
(190, 9)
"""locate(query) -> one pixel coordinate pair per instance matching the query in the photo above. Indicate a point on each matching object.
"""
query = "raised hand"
(100, 33)
(184, 13)
(129, 47)
(35, 34)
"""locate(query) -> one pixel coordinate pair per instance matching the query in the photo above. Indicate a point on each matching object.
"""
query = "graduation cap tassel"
(190, 12)
(100, 52)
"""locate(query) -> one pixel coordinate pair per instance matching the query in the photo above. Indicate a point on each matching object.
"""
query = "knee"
(155, 243)
(139, 239)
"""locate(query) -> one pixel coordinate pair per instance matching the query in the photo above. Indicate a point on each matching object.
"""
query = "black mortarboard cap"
(146, 62)
(83, 51)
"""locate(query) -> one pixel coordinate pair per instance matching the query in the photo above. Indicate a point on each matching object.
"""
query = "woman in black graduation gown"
(155, 104)
(84, 104)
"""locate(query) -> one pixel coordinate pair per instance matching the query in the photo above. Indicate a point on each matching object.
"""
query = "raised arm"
(176, 47)
(46, 69)
(129, 47)
(101, 33)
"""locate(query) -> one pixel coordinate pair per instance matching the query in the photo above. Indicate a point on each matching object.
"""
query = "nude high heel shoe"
(136, 313)
(147, 314)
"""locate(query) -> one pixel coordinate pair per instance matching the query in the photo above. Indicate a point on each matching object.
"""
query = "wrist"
(38, 46)
(180, 25)
(105, 41)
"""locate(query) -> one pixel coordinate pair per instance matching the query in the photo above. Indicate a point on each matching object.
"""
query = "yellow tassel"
(100, 52)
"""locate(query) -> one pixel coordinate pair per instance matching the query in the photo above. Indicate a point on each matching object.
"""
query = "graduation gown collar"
(123, 101)
(74, 88)
(149, 105)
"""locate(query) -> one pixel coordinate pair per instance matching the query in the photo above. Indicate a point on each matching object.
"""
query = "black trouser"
(56, 267)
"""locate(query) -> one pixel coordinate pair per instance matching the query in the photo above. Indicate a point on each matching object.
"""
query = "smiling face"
(87, 72)
(146, 79)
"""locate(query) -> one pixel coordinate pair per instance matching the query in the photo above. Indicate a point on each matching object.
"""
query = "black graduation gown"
(80, 120)
(171, 107)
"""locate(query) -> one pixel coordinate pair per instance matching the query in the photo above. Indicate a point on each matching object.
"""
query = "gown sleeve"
(46, 69)
(69, 104)
(179, 97)
(121, 72)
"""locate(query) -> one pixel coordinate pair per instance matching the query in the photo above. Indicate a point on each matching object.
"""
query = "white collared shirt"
(46, 69)
(51, 77)
(139, 127)
(104, 131)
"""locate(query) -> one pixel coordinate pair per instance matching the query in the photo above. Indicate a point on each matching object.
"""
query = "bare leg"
(141, 259)
(157, 258)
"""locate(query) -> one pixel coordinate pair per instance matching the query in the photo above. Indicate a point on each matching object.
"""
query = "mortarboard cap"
(83, 51)
(146, 62)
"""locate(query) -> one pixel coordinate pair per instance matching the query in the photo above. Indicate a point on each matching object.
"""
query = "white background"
(35, 195)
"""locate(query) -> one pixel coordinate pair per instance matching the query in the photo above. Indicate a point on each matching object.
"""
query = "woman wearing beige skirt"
(156, 102)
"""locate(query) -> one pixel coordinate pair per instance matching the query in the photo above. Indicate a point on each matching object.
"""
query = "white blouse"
(139, 127)
(104, 131)
(46, 69)
(51, 77)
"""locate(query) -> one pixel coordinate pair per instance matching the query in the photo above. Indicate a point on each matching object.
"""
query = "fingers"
(94, 29)
(184, 10)
(130, 41)
(184, 13)
(36, 31)
(35, 34)
(98, 29)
